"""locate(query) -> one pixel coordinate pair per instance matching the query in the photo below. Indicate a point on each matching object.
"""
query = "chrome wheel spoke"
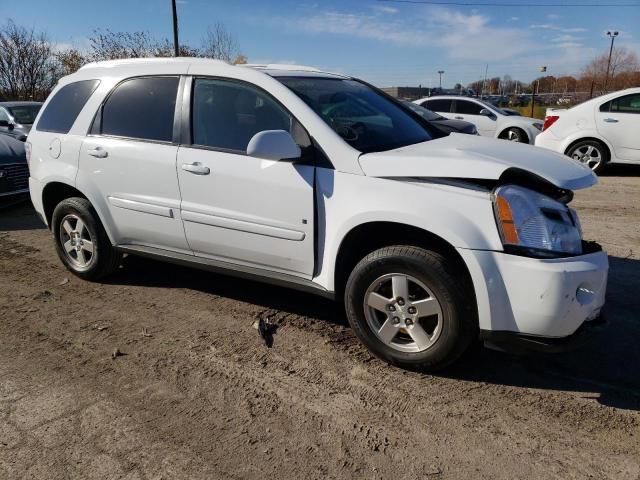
(400, 286)
(427, 307)
(80, 227)
(87, 246)
(377, 302)
(67, 227)
(68, 246)
(418, 334)
(387, 332)
(82, 259)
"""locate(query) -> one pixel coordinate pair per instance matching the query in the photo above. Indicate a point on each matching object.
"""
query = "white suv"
(323, 183)
(490, 120)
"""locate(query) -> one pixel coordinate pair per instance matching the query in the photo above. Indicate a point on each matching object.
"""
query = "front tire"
(591, 153)
(81, 241)
(411, 308)
(514, 134)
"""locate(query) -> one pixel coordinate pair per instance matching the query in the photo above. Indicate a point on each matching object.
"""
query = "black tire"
(581, 148)
(515, 134)
(459, 327)
(104, 259)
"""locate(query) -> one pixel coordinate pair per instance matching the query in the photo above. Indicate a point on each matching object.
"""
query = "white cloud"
(553, 16)
(514, 19)
(385, 9)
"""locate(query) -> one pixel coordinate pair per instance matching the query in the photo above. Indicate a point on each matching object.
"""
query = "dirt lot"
(200, 396)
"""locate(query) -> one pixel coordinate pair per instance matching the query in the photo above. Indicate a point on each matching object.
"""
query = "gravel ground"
(196, 394)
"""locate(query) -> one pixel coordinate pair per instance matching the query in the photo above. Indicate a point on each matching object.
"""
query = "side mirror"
(6, 123)
(485, 112)
(273, 145)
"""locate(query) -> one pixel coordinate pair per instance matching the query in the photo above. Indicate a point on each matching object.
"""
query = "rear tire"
(591, 153)
(81, 241)
(427, 327)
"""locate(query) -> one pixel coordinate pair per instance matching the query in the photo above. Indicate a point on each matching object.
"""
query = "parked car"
(14, 173)
(490, 120)
(320, 182)
(597, 132)
(16, 118)
(444, 124)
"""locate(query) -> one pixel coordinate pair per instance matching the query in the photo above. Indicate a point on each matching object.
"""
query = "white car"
(320, 182)
(597, 132)
(490, 120)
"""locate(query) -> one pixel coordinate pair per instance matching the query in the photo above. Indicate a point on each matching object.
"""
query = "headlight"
(530, 220)
(538, 126)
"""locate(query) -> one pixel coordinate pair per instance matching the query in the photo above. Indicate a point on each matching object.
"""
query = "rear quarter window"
(63, 109)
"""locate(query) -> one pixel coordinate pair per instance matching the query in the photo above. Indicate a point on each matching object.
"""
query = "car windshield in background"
(364, 118)
(24, 114)
(491, 105)
(423, 112)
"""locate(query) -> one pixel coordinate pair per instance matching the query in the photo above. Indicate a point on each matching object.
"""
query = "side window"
(227, 114)
(141, 108)
(467, 108)
(63, 109)
(626, 104)
(605, 107)
(438, 105)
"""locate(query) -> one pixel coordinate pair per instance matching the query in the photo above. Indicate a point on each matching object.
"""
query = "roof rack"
(142, 60)
(281, 66)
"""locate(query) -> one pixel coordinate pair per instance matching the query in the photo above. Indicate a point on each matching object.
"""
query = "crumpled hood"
(473, 157)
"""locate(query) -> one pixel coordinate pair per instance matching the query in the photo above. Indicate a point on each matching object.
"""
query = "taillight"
(27, 151)
(548, 121)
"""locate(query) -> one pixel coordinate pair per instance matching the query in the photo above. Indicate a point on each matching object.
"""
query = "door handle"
(98, 152)
(611, 120)
(196, 167)
(459, 118)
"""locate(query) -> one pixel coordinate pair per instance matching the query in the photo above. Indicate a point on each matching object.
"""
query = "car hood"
(479, 158)
(11, 151)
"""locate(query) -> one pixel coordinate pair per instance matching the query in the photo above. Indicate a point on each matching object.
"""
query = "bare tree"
(623, 63)
(220, 44)
(27, 67)
(108, 45)
(69, 61)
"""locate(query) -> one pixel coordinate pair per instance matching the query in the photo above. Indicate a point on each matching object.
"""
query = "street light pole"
(176, 45)
(613, 36)
(440, 72)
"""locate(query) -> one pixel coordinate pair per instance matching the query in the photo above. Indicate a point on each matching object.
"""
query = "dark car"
(16, 118)
(14, 171)
(444, 124)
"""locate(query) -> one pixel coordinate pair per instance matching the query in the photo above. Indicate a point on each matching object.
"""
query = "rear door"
(237, 208)
(618, 121)
(129, 158)
(469, 111)
(439, 105)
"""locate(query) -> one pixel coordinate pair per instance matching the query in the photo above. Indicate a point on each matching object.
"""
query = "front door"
(469, 111)
(618, 121)
(130, 161)
(237, 208)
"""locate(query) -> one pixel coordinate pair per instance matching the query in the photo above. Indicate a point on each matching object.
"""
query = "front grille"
(16, 177)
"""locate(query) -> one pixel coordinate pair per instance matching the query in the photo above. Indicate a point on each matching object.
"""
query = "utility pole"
(440, 72)
(176, 45)
(533, 91)
(613, 36)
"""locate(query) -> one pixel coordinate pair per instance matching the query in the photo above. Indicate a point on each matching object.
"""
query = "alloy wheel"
(77, 242)
(590, 155)
(403, 312)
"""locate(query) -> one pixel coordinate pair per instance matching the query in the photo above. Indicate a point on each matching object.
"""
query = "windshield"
(364, 118)
(24, 114)
(492, 107)
(424, 112)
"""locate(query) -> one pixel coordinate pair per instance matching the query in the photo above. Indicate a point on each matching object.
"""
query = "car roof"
(19, 103)
(183, 64)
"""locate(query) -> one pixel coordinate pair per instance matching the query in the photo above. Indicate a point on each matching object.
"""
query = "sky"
(385, 43)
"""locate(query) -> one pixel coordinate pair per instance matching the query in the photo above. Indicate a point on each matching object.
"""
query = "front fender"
(462, 217)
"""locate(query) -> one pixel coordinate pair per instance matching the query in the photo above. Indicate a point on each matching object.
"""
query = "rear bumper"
(548, 141)
(517, 343)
